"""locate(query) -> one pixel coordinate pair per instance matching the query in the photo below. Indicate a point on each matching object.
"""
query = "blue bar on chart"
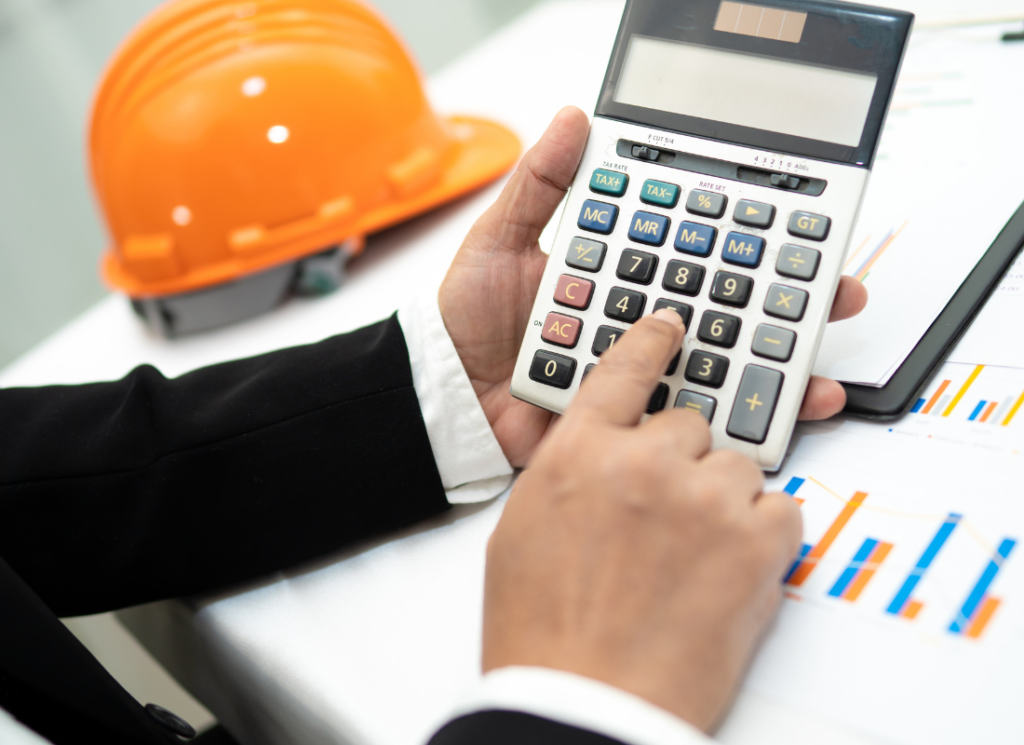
(899, 603)
(796, 562)
(859, 559)
(963, 618)
(794, 484)
(977, 410)
(917, 406)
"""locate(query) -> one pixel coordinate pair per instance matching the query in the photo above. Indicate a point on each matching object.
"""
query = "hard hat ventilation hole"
(254, 86)
(278, 134)
(181, 215)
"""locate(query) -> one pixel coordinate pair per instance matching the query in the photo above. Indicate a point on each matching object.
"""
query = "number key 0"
(718, 329)
(683, 277)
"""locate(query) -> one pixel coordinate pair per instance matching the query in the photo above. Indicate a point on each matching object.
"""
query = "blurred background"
(51, 55)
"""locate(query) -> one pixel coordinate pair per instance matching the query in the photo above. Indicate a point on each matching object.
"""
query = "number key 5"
(718, 329)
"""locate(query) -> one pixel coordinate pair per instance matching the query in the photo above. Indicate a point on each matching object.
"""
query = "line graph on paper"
(863, 261)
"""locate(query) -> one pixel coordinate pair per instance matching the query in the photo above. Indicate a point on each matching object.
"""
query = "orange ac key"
(561, 330)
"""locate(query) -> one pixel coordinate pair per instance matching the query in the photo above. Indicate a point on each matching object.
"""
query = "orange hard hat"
(231, 137)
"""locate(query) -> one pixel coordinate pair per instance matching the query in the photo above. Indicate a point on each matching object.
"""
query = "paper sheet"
(879, 652)
(945, 181)
(995, 336)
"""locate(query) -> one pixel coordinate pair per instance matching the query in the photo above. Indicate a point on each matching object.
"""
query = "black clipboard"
(896, 397)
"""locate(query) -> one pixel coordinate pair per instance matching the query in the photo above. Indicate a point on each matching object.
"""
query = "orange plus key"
(561, 330)
(573, 291)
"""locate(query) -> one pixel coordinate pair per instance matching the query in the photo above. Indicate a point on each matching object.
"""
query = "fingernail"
(668, 316)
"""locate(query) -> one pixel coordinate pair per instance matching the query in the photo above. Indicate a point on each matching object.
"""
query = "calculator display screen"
(815, 102)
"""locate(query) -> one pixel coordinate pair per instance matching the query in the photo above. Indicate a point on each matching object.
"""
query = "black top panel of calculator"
(827, 41)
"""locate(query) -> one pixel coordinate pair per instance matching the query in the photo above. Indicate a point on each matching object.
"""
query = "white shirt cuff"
(13, 732)
(580, 702)
(472, 465)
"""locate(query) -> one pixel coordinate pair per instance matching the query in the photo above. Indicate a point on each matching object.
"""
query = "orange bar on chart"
(867, 572)
(810, 561)
(984, 616)
(935, 397)
(913, 608)
(988, 411)
(1013, 411)
(963, 389)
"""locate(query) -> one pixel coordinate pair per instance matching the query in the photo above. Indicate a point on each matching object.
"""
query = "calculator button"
(645, 153)
(718, 328)
(694, 238)
(685, 311)
(573, 291)
(773, 342)
(797, 262)
(648, 228)
(785, 302)
(658, 399)
(743, 249)
(755, 404)
(624, 305)
(605, 337)
(552, 369)
(561, 330)
(754, 214)
(683, 277)
(674, 364)
(660, 193)
(598, 216)
(637, 266)
(706, 203)
(706, 368)
(607, 182)
(731, 289)
(586, 371)
(703, 405)
(808, 225)
(586, 254)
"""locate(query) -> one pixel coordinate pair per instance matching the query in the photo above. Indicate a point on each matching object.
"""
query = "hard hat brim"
(484, 151)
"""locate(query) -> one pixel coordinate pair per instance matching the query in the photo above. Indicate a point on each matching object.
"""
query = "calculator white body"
(840, 202)
(762, 111)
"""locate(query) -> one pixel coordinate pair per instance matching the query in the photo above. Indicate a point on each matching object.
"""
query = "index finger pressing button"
(755, 404)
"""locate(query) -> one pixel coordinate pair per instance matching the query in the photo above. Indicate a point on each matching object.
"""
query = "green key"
(609, 182)
(660, 193)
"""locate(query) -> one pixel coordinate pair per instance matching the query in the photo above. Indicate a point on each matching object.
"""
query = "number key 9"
(731, 289)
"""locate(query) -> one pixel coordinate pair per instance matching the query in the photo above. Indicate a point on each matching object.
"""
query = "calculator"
(726, 163)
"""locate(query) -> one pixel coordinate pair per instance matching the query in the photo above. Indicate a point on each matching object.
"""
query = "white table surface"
(372, 646)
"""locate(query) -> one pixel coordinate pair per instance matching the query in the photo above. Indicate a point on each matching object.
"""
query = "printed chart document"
(904, 617)
(992, 337)
(945, 182)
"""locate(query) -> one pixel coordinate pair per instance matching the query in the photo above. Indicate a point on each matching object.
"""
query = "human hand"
(629, 553)
(488, 293)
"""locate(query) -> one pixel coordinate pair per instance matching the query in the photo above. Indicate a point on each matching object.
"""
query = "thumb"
(515, 221)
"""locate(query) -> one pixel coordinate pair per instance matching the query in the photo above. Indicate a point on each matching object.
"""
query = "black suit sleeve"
(514, 728)
(114, 494)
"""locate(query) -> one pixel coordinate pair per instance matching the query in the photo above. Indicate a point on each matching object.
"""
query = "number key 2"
(731, 289)
(718, 329)
(683, 277)
(624, 305)
(637, 266)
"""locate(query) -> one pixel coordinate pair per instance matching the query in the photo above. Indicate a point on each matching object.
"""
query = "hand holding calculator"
(724, 171)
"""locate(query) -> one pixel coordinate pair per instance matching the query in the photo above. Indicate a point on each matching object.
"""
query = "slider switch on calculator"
(755, 404)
